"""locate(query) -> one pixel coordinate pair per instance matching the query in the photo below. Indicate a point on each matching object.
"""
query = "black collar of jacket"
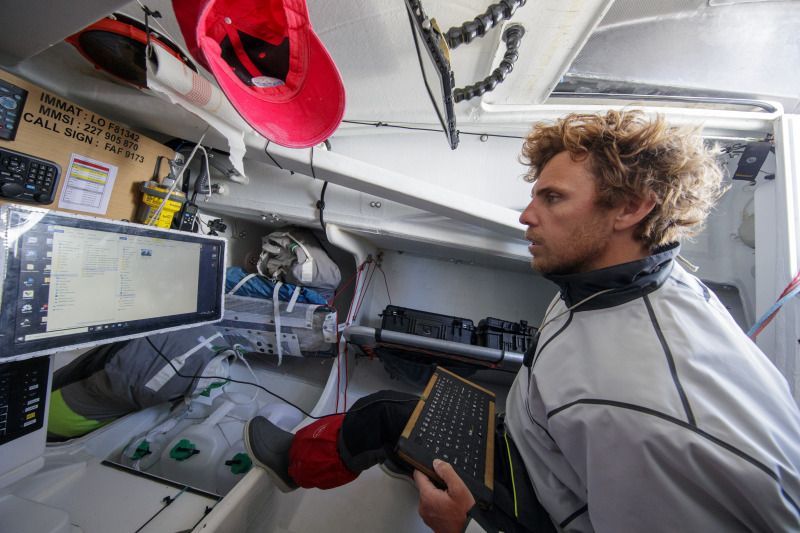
(628, 280)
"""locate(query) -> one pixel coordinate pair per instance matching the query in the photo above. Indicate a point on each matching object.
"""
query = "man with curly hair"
(642, 406)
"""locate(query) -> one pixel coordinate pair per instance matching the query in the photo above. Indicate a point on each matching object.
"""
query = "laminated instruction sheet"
(87, 185)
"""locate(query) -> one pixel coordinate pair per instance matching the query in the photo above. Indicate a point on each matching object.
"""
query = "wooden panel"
(53, 128)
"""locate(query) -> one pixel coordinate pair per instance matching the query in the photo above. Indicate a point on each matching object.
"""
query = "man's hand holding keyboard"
(444, 511)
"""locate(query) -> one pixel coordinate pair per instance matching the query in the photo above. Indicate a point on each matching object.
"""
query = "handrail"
(365, 335)
(766, 106)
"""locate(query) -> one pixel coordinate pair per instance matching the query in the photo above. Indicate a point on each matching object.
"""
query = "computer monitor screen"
(73, 281)
(435, 63)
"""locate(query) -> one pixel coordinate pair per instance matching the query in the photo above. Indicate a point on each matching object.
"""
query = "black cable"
(267, 390)
(147, 14)
(205, 514)
(321, 202)
(379, 124)
(313, 175)
(167, 502)
(200, 184)
(266, 151)
(159, 159)
(321, 206)
(202, 179)
(386, 124)
(493, 135)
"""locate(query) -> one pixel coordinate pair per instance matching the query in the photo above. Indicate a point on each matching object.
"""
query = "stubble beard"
(580, 251)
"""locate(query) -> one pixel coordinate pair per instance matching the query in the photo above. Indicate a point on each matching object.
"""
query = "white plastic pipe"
(219, 413)
(359, 247)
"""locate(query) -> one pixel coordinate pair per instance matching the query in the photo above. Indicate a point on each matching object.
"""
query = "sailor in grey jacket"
(646, 408)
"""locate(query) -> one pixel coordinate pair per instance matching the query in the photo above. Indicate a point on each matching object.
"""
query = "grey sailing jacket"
(648, 409)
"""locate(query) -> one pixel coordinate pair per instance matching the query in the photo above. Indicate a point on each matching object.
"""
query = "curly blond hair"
(631, 156)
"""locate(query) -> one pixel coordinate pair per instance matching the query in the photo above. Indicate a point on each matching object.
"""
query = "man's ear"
(633, 210)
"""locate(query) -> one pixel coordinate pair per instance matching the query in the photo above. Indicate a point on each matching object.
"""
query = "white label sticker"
(308, 270)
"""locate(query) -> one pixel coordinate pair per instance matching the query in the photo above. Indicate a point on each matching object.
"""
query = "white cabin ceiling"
(678, 47)
(745, 49)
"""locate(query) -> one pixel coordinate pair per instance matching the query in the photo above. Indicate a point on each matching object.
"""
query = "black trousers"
(373, 425)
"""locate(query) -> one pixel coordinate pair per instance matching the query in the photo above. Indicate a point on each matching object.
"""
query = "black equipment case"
(427, 324)
(504, 335)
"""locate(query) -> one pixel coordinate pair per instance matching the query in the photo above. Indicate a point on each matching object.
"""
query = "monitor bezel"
(11, 285)
(431, 39)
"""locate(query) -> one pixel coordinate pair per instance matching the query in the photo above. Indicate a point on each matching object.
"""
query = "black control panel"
(23, 394)
(186, 217)
(12, 100)
(25, 178)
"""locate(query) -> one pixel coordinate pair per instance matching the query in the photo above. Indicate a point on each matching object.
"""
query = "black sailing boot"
(268, 447)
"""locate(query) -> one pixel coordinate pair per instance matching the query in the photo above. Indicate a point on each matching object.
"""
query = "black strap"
(527, 359)
(516, 508)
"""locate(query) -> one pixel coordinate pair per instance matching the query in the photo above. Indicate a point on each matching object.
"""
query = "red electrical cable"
(364, 291)
(348, 320)
(355, 309)
(385, 282)
(345, 286)
(338, 359)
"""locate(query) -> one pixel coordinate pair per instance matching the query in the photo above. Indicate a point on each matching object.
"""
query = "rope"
(789, 292)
